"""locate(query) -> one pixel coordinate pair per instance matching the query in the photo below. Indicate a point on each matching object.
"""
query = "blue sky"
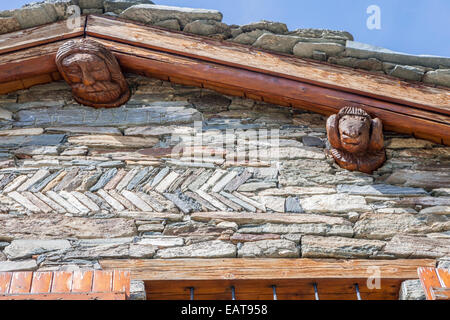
(411, 26)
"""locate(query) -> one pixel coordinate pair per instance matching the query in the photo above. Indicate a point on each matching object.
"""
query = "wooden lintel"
(256, 279)
(257, 269)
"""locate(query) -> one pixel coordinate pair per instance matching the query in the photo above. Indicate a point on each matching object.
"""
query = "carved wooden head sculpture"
(93, 73)
(356, 140)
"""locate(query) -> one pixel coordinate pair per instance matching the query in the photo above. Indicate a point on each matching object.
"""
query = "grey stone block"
(35, 15)
(365, 51)
(117, 6)
(306, 49)
(207, 28)
(439, 77)
(9, 24)
(23, 141)
(24, 265)
(90, 4)
(171, 24)
(407, 73)
(124, 116)
(278, 43)
(152, 14)
(274, 27)
(137, 290)
(380, 190)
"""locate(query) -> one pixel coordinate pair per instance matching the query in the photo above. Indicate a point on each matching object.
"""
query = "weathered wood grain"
(32, 37)
(254, 269)
(435, 283)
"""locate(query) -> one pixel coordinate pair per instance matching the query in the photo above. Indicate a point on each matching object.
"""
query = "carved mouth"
(351, 141)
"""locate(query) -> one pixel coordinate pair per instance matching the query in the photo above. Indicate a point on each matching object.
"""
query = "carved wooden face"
(354, 131)
(90, 78)
(93, 73)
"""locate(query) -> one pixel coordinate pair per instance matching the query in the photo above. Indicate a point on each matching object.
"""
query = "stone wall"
(336, 47)
(79, 184)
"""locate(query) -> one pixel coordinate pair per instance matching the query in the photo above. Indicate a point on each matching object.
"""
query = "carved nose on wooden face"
(88, 80)
(352, 130)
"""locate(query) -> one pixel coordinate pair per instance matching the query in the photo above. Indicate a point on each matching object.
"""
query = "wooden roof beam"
(254, 279)
(344, 79)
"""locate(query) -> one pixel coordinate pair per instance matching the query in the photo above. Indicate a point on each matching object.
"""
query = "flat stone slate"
(242, 218)
(407, 73)
(20, 249)
(440, 77)
(269, 249)
(278, 43)
(311, 141)
(208, 28)
(320, 229)
(35, 15)
(292, 205)
(8, 24)
(124, 116)
(40, 140)
(336, 203)
(90, 4)
(275, 27)
(208, 249)
(385, 226)
(151, 14)
(380, 190)
(117, 6)
(417, 247)
(411, 290)
(5, 114)
(365, 51)
(420, 179)
(104, 179)
(306, 49)
(85, 130)
(107, 141)
(24, 265)
(184, 206)
(51, 226)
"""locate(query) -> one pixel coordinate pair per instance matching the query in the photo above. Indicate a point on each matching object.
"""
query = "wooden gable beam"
(235, 70)
(28, 67)
(284, 66)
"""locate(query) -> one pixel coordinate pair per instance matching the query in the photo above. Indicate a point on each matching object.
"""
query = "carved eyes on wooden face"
(354, 133)
(85, 68)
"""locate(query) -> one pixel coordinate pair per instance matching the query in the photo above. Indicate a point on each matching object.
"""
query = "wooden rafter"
(234, 69)
(255, 278)
(284, 66)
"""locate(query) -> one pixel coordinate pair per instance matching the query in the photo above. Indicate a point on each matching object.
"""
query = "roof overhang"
(27, 58)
